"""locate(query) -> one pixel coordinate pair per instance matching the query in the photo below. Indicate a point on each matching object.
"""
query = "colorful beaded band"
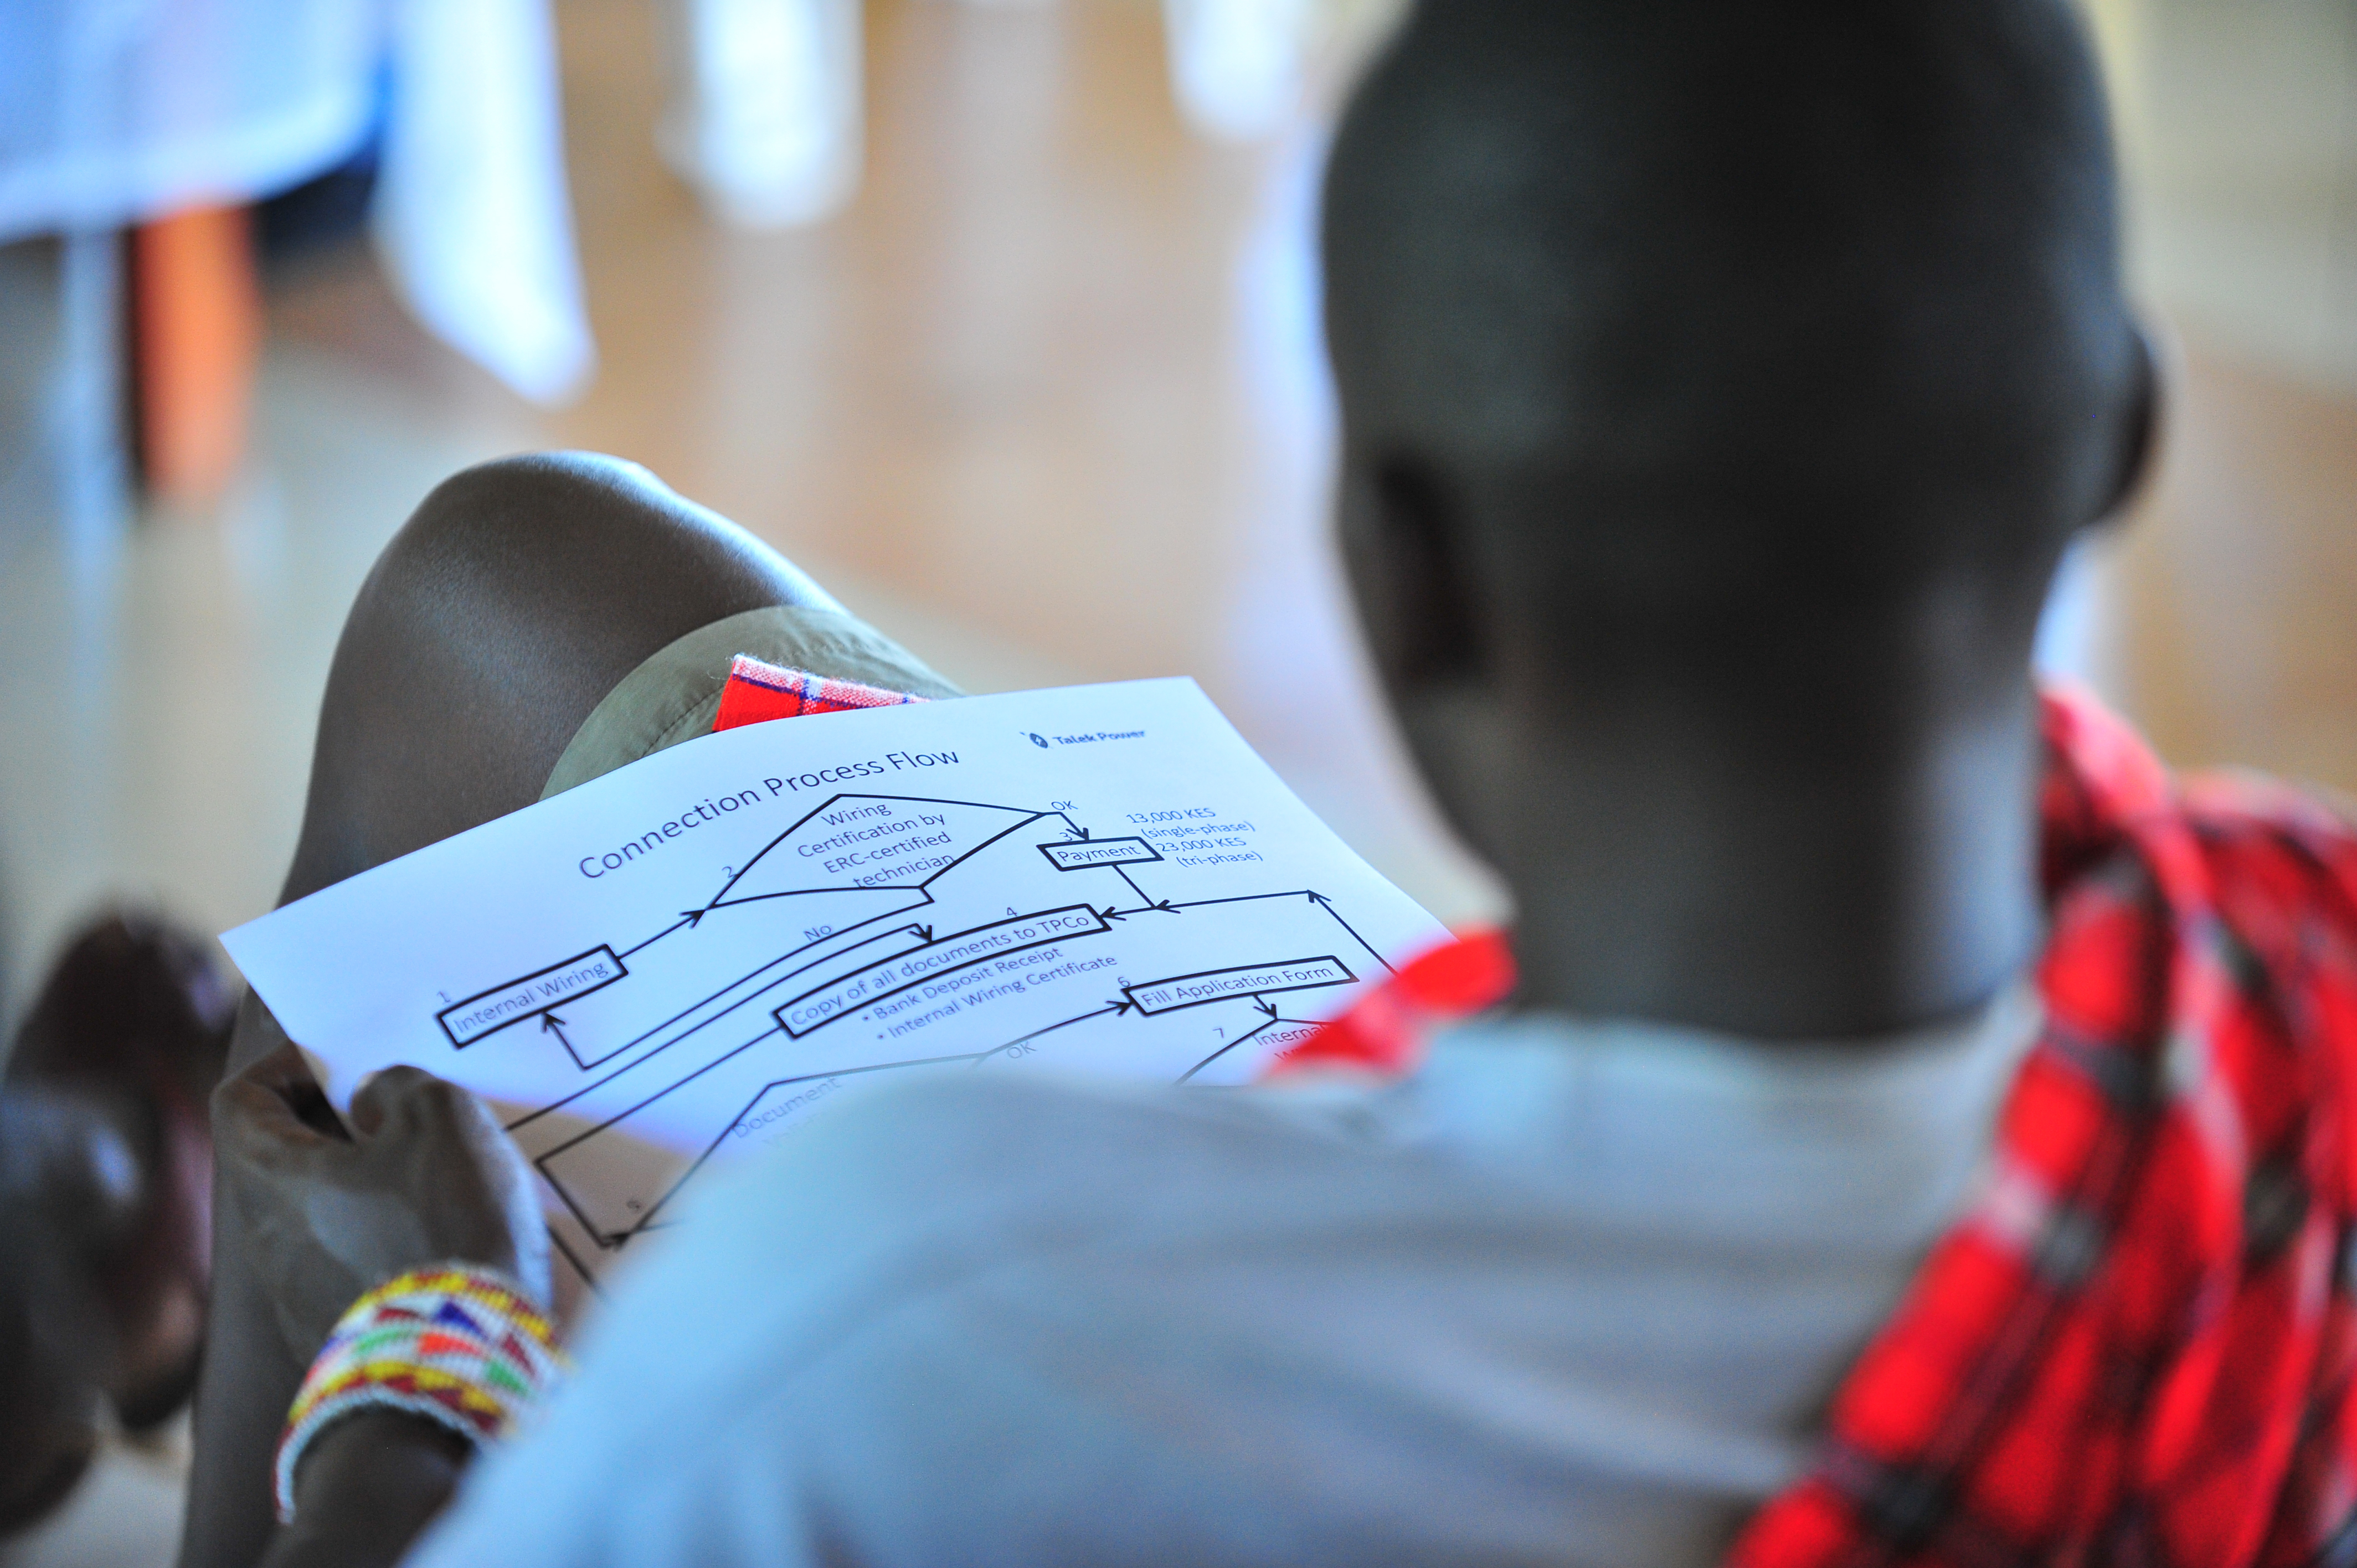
(457, 1344)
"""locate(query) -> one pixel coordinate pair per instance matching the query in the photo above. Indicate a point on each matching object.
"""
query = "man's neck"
(1874, 874)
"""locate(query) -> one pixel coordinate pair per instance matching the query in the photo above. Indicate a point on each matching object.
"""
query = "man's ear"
(1406, 552)
(2138, 448)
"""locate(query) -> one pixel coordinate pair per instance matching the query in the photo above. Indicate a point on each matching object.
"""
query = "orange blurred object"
(196, 335)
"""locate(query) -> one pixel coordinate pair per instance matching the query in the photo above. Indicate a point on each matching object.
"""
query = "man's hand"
(426, 1176)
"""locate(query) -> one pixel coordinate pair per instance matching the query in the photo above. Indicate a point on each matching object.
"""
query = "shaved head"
(1684, 313)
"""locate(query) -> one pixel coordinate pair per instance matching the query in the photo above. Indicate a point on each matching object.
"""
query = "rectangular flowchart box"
(1082, 854)
(818, 1007)
(1226, 984)
(489, 1012)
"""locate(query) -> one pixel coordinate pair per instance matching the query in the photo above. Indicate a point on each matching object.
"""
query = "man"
(1919, 1134)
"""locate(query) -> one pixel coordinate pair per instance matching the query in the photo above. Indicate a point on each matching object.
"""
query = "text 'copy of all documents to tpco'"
(685, 959)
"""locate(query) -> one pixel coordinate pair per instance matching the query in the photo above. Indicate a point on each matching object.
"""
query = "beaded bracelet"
(456, 1343)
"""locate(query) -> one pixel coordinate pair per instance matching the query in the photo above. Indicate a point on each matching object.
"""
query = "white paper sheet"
(684, 960)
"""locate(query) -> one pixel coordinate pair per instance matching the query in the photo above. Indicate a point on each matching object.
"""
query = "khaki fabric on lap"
(675, 694)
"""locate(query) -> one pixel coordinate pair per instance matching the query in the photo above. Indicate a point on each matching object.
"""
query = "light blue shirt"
(1574, 1294)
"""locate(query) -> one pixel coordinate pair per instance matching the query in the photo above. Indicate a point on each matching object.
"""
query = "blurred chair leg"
(766, 116)
(1236, 66)
(196, 337)
(84, 411)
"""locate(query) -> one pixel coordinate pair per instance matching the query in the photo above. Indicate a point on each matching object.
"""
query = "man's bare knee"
(503, 515)
(518, 595)
(576, 545)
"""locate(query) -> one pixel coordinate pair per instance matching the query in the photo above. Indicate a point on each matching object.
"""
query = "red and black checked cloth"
(758, 691)
(2137, 1347)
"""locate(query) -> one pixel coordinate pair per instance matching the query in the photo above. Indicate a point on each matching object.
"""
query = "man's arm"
(513, 600)
(423, 1176)
(369, 1487)
(249, 1375)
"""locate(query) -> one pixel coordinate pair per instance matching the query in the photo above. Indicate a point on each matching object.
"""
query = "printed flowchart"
(860, 938)
(1098, 879)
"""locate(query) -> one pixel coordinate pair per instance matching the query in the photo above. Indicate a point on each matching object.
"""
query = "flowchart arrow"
(1115, 1008)
(1327, 904)
(1144, 902)
(694, 917)
(1161, 906)
(550, 1024)
(1267, 1007)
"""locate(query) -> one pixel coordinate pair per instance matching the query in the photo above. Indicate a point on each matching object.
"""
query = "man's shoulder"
(964, 1167)
(1033, 1142)
(969, 1310)
(918, 1192)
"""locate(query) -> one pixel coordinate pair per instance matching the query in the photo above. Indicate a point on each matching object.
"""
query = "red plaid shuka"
(2138, 1347)
(758, 691)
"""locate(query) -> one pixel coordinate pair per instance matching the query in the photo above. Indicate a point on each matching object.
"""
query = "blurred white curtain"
(113, 112)
(472, 217)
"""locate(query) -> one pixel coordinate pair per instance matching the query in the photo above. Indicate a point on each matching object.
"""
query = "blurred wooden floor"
(2233, 592)
(1004, 379)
